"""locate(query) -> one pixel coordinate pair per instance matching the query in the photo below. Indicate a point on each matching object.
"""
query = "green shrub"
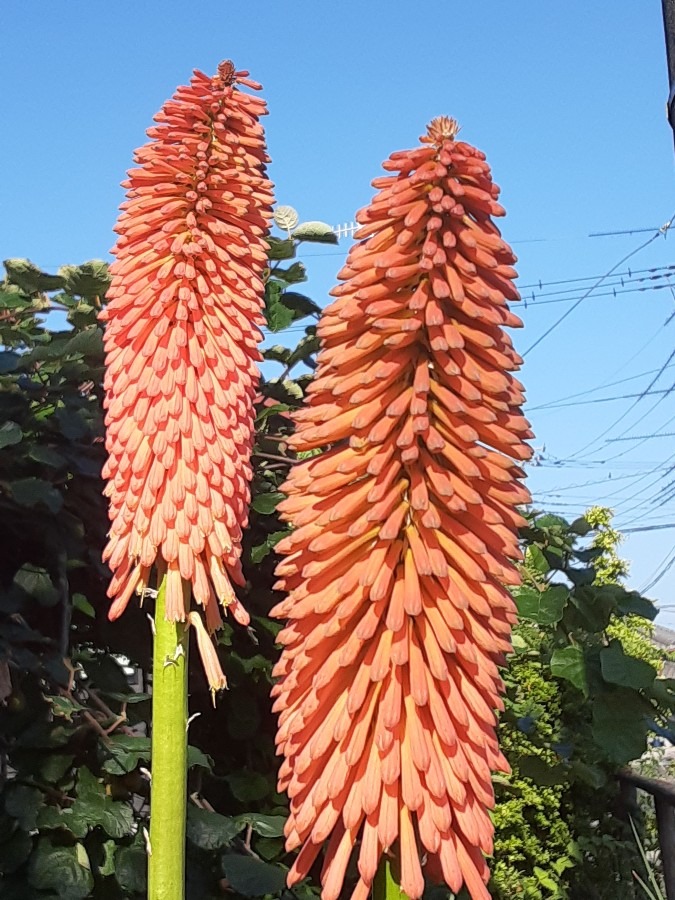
(580, 704)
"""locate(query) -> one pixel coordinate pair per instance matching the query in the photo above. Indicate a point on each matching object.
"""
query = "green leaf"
(277, 353)
(269, 848)
(125, 753)
(293, 274)
(259, 552)
(10, 434)
(46, 456)
(93, 807)
(618, 668)
(252, 877)
(91, 279)
(55, 767)
(543, 607)
(317, 232)
(197, 757)
(272, 411)
(535, 559)
(280, 249)
(300, 304)
(545, 880)
(131, 866)
(580, 527)
(107, 867)
(248, 786)
(35, 581)
(209, 830)
(277, 314)
(65, 708)
(581, 577)
(125, 697)
(633, 604)
(265, 504)
(569, 663)
(284, 391)
(305, 349)
(591, 607)
(30, 278)
(265, 826)
(256, 663)
(64, 870)
(24, 803)
(81, 603)
(553, 523)
(88, 342)
(13, 298)
(35, 491)
(620, 726)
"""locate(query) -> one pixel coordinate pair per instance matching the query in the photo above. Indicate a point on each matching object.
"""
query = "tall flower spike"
(181, 348)
(405, 532)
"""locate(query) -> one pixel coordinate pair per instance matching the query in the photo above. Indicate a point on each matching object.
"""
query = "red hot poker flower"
(181, 348)
(405, 532)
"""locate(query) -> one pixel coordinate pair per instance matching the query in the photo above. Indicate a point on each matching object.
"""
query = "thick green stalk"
(385, 886)
(168, 795)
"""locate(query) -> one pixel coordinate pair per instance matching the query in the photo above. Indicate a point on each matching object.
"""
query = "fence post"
(665, 818)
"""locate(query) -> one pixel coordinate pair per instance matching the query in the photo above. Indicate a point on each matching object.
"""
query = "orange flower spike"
(182, 329)
(405, 533)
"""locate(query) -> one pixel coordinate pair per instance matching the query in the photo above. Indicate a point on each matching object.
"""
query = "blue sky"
(566, 99)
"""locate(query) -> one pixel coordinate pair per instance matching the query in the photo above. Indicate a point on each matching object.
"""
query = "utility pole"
(669, 27)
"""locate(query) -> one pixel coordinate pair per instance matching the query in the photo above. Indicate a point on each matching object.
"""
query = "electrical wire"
(600, 400)
(533, 299)
(554, 403)
(661, 231)
(580, 454)
(660, 572)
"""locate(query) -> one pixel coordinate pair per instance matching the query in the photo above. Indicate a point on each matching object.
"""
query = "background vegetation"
(582, 699)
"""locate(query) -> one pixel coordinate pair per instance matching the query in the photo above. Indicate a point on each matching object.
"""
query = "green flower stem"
(168, 797)
(385, 886)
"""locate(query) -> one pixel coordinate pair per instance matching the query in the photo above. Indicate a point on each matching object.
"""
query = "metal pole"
(665, 820)
(669, 28)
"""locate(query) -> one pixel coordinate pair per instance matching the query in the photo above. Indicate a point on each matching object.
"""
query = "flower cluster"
(405, 532)
(181, 347)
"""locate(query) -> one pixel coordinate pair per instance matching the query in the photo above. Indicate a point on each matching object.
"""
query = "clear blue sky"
(567, 99)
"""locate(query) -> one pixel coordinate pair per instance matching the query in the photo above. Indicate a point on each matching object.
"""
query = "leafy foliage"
(579, 706)
(74, 690)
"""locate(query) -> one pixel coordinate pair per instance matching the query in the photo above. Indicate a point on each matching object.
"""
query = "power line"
(645, 437)
(616, 233)
(554, 403)
(641, 439)
(600, 400)
(608, 478)
(627, 412)
(661, 231)
(663, 570)
(620, 281)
